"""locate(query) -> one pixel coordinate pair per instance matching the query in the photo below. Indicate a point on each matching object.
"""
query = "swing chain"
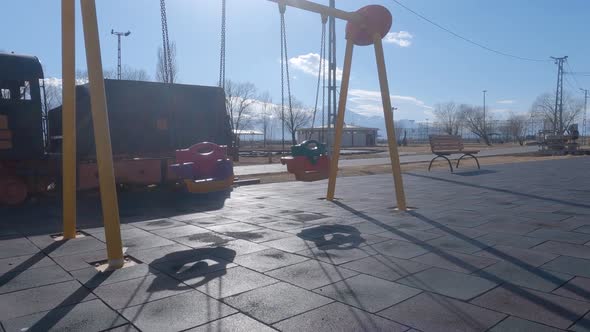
(284, 29)
(282, 12)
(322, 56)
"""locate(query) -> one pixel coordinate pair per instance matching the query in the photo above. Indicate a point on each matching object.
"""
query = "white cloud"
(310, 64)
(368, 103)
(402, 38)
(506, 101)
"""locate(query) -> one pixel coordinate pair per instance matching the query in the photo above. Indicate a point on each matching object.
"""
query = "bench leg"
(441, 156)
(470, 155)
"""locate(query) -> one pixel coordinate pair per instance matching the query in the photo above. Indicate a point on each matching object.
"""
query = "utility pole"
(119, 35)
(559, 95)
(332, 107)
(485, 130)
(585, 109)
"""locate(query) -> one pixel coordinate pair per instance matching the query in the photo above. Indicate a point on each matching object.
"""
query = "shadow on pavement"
(208, 263)
(340, 237)
(517, 290)
(205, 263)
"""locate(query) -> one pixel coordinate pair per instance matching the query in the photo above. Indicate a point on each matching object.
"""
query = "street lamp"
(119, 34)
(485, 130)
(584, 124)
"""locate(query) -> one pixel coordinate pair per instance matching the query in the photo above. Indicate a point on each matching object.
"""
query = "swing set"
(366, 26)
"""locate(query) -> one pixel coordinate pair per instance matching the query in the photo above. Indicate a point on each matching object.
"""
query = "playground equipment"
(308, 161)
(148, 122)
(365, 27)
(553, 143)
(203, 168)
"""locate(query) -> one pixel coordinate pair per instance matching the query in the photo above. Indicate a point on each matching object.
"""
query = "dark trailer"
(149, 119)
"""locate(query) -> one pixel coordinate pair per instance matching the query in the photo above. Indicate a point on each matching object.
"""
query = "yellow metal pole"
(321, 9)
(68, 70)
(340, 119)
(388, 113)
(104, 154)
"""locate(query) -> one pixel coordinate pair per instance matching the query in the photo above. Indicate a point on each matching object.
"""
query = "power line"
(569, 83)
(573, 76)
(465, 38)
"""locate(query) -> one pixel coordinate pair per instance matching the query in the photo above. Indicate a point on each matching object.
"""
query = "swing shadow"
(179, 265)
(340, 237)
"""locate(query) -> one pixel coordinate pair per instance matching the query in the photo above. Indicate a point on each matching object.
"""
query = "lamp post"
(119, 35)
(484, 110)
(584, 124)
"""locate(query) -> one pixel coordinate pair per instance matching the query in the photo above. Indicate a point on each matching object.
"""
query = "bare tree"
(81, 76)
(544, 107)
(239, 99)
(161, 65)
(516, 127)
(474, 120)
(53, 96)
(265, 117)
(134, 74)
(127, 73)
(296, 117)
(449, 117)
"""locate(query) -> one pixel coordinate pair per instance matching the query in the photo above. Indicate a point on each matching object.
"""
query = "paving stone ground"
(502, 249)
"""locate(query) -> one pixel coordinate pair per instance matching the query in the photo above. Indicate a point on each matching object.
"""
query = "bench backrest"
(440, 143)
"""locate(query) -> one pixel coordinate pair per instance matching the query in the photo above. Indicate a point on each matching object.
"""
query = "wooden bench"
(446, 145)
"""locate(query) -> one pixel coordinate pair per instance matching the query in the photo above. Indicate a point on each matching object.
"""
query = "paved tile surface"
(533, 305)
(430, 312)
(367, 292)
(449, 283)
(513, 324)
(42, 298)
(311, 274)
(385, 267)
(455, 261)
(339, 317)
(571, 265)
(578, 288)
(87, 316)
(237, 322)
(503, 249)
(276, 302)
(176, 313)
(269, 259)
(19, 280)
(525, 276)
(132, 292)
(230, 282)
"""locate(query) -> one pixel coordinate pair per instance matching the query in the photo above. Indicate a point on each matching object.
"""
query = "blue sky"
(430, 66)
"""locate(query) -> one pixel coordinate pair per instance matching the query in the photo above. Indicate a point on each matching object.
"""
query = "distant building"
(352, 135)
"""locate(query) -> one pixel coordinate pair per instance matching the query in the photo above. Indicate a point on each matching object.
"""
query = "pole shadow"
(515, 289)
